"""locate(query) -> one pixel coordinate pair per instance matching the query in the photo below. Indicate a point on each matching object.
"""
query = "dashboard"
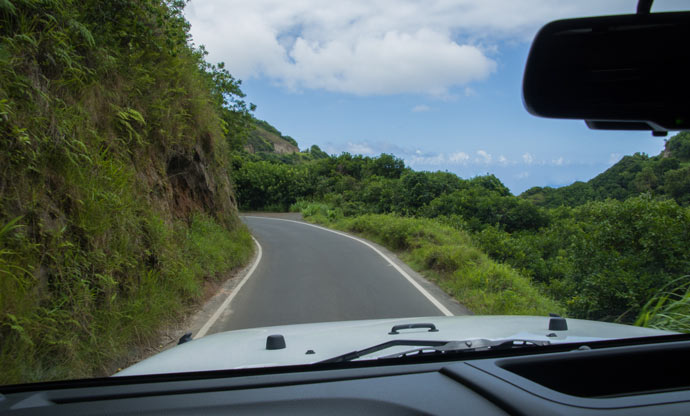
(624, 378)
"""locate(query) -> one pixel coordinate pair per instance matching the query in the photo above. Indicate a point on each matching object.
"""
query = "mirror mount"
(644, 6)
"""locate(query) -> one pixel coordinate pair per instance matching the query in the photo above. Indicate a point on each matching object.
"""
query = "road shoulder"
(214, 295)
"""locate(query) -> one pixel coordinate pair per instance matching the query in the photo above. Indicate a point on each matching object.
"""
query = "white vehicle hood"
(247, 348)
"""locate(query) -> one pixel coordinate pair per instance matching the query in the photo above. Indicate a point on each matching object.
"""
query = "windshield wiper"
(439, 348)
(471, 345)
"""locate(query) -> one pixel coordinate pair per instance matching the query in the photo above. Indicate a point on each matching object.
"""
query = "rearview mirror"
(629, 72)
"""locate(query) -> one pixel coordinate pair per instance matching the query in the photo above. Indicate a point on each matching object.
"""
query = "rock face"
(283, 147)
(182, 181)
(191, 185)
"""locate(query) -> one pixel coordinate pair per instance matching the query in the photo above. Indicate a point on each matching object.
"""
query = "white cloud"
(388, 63)
(503, 160)
(459, 157)
(522, 175)
(558, 162)
(614, 158)
(426, 160)
(421, 108)
(360, 149)
(527, 158)
(419, 158)
(484, 157)
(368, 47)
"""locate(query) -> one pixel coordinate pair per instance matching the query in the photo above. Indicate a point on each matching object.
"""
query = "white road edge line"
(409, 278)
(212, 320)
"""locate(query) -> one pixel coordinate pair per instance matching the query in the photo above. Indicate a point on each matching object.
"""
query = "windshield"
(172, 171)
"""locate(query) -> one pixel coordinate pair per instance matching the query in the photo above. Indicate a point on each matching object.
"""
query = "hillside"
(264, 138)
(263, 142)
(663, 175)
(115, 200)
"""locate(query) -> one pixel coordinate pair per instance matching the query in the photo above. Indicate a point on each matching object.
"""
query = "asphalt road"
(307, 275)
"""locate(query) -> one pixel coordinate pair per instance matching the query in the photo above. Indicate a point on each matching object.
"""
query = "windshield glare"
(190, 176)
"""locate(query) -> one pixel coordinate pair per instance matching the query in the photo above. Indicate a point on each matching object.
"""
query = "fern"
(8, 7)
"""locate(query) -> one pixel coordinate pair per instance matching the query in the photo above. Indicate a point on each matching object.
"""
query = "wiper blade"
(470, 346)
(438, 347)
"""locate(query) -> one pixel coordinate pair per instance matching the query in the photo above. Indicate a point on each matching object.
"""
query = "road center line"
(409, 278)
(204, 329)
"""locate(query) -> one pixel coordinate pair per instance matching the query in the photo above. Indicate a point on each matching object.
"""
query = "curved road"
(307, 274)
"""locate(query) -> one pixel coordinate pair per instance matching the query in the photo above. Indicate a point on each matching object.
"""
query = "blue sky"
(437, 83)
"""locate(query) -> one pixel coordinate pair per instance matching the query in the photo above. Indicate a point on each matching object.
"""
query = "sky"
(434, 82)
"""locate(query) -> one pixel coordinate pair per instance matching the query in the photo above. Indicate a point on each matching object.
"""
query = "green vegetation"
(604, 260)
(588, 256)
(115, 202)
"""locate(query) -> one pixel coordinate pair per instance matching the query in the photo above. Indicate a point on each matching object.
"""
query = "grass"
(90, 330)
(446, 256)
(669, 308)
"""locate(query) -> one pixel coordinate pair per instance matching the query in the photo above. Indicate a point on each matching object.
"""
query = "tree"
(316, 152)
(679, 146)
(491, 183)
(645, 180)
(387, 165)
(623, 251)
(677, 185)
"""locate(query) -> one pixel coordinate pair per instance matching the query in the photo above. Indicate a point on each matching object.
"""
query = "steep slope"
(266, 138)
(115, 201)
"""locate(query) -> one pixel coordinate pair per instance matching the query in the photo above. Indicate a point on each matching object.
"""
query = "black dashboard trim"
(471, 384)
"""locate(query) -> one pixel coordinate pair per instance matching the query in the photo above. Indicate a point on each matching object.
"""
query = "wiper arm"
(438, 347)
(357, 354)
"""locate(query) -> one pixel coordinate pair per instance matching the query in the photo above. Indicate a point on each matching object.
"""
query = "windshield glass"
(172, 171)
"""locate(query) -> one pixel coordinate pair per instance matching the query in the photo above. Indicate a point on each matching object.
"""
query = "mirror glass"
(628, 72)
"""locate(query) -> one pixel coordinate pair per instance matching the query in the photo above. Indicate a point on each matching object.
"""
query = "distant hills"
(664, 175)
